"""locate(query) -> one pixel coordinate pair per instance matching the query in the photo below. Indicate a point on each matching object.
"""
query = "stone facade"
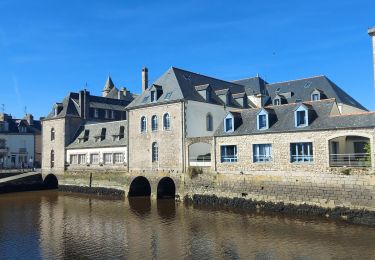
(281, 151)
(65, 129)
(170, 142)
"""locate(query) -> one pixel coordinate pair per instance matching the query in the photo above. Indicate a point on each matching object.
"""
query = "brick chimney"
(84, 104)
(371, 32)
(144, 79)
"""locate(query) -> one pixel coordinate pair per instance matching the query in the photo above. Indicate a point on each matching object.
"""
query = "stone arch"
(50, 182)
(140, 187)
(166, 188)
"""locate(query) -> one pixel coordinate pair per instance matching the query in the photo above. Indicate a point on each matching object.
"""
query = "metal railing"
(201, 160)
(350, 159)
(302, 158)
(229, 158)
(262, 158)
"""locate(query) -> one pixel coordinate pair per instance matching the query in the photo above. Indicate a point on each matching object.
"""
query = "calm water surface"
(55, 225)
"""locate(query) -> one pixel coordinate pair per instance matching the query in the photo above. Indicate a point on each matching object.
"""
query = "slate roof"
(184, 85)
(112, 129)
(14, 124)
(302, 89)
(70, 105)
(283, 119)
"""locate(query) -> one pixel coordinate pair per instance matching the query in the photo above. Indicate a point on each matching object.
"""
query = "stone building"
(20, 142)
(69, 117)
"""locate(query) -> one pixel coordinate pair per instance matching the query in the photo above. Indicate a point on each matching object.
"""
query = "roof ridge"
(355, 114)
(198, 74)
(99, 123)
(309, 102)
(312, 77)
(247, 78)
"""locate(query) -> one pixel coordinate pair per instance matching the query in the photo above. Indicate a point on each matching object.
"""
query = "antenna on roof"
(25, 110)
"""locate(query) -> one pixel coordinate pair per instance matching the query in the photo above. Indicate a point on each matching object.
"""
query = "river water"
(56, 225)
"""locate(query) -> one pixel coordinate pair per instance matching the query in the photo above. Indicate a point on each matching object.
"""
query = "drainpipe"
(183, 136)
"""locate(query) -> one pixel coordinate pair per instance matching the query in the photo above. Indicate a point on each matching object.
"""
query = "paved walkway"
(19, 176)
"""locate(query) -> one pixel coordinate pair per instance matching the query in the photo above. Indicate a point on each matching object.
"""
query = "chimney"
(144, 79)
(84, 104)
(29, 118)
(371, 32)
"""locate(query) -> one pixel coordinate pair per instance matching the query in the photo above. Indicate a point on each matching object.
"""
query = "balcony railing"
(229, 159)
(203, 161)
(262, 158)
(350, 160)
(302, 158)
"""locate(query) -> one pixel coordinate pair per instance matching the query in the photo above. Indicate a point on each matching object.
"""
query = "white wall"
(196, 113)
(99, 151)
(14, 142)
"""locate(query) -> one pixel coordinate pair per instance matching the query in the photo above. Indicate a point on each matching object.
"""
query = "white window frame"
(224, 158)
(167, 123)
(262, 158)
(229, 116)
(96, 113)
(143, 125)
(276, 100)
(95, 156)
(297, 153)
(113, 114)
(110, 155)
(301, 108)
(262, 112)
(118, 158)
(106, 114)
(154, 123)
(154, 152)
(82, 158)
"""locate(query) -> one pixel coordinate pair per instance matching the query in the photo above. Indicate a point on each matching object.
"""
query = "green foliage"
(367, 149)
(346, 171)
(194, 172)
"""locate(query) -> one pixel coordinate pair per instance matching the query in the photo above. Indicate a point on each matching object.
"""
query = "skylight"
(308, 84)
(168, 96)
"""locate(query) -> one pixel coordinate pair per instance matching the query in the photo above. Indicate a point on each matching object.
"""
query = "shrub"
(346, 171)
(194, 172)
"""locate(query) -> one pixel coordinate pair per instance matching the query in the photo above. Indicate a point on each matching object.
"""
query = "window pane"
(229, 153)
(262, 152)
(301, 152)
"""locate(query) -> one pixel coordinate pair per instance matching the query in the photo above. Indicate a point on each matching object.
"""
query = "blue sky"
(48, 48)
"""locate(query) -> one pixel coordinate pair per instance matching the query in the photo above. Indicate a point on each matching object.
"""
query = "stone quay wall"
(325, 190)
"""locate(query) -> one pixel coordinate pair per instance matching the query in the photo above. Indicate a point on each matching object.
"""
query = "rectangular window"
(94, 158)
(229, 153)
(74, 159)
(96, 113)
(228, 124)
(82, 159)
(276, 102)
(118, 157)
(262, 121)
(315, 97)
(106, 113)
(113, 114)
(262, 153)
(301, 152)
(153, 96)
(301, 118)
(108, 158)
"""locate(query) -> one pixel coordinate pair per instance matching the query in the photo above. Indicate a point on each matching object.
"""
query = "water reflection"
(55, 225)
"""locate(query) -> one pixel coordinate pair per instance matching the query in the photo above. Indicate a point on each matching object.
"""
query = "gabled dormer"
(156, 91)
(232, 121)
(225, 96)
(205, 91)
(302, 115)
(278, 100)
(241, 99)
(263, 119)
(316, 95)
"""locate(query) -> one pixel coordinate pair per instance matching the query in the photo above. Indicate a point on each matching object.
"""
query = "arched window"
(166, 121)
(155, 152)
(52, 162)
(52, 134)
(143, 124)
(209, 125)
(154, 123)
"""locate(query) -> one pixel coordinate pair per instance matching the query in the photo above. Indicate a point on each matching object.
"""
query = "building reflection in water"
(55, 225)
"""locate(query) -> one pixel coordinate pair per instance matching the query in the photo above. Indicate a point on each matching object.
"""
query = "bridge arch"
(50, 182)
(166, 188)
(140, 187)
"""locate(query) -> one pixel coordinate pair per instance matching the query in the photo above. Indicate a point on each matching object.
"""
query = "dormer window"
(103, 134)
(316, 95)
(229, 123)
(122, 132)
(86, 135)
(262, 120)
(301, 117)
(153, 96)
(277, 101)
